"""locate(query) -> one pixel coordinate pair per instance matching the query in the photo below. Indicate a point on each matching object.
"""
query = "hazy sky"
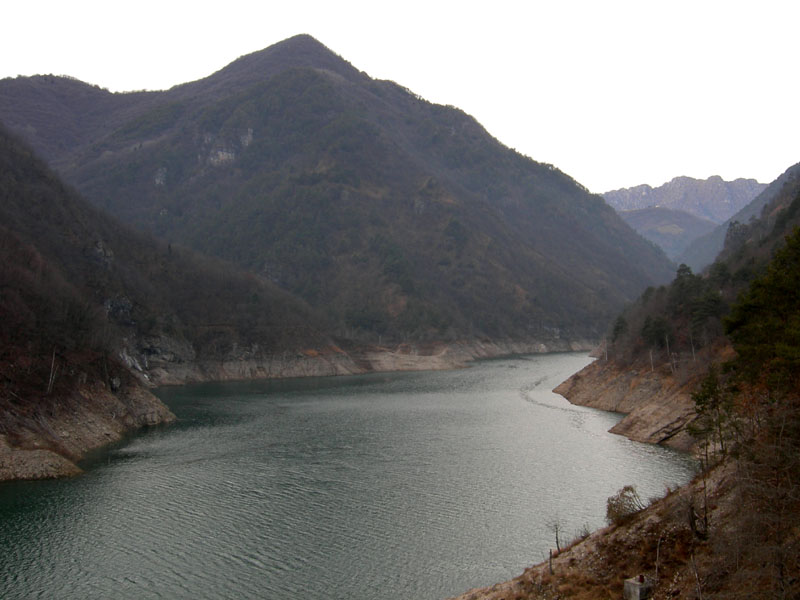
(614, 93)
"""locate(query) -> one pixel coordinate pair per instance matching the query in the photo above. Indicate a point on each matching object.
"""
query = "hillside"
(91, 310)
(672, 230)
(64, 390)
(713, 199)
(93, 313)
(660, 347)
(396, 219)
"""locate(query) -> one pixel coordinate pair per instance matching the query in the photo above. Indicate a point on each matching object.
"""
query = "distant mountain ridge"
(704, 250)
(393, 217)
(713, 198)
(673, 230)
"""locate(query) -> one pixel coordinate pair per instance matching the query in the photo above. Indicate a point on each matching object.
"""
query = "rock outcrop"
(52, 441)
(657, 404)
(656, 399)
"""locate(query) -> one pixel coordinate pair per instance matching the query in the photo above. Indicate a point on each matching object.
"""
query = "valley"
(290, 216)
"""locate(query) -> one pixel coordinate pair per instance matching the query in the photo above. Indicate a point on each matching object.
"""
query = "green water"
(391, 486)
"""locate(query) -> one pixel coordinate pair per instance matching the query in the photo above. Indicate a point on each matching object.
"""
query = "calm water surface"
(392, 486)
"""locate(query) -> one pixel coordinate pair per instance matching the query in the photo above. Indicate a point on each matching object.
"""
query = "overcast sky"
(614, 93)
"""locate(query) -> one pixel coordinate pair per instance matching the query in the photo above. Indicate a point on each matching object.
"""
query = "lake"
(393, 486)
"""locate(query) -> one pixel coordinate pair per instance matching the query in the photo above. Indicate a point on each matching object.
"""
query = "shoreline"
(88, 431)
(93, 416)
(174, 369)
(87, 420)
(658, 407)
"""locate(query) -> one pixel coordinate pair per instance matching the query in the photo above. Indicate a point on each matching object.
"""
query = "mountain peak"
(400, 219)
(299, 51)
(301, 41)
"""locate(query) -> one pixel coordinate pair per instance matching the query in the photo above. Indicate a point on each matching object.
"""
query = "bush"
(623, 505)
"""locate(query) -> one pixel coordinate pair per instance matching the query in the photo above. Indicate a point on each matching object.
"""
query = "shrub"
(622, 505)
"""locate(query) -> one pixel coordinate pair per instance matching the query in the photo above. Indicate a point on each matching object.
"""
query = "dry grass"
(657, 541)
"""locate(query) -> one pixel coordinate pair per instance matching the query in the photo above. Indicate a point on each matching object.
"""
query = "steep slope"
(713, 198)
(672, 230)
(702, 252)
(147, 287)
(657, 542)
(64, 391)
(90, 310)
(397, 218)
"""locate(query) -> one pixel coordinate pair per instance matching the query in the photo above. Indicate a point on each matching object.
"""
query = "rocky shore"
(657, 405)
(53, 441)
(162, 362)
(656, 399)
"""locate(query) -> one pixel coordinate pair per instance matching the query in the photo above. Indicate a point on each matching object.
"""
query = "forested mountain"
(702, 251)
(687, 315)
(672, 230)
(78, 290)
(713, 198)
(396, 218)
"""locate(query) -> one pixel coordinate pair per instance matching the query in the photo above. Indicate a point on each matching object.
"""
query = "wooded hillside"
(396, 218)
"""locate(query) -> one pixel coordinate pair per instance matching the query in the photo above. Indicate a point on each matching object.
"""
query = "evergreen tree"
(764, 325)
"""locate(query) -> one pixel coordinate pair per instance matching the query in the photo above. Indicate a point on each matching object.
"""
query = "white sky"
(614, 93)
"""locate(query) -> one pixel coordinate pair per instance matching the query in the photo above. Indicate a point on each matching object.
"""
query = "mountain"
(713, 198)
(672, 230)
(395, 218)
(91, 310)
(751, 244)
(702, 251)
(147, 287)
